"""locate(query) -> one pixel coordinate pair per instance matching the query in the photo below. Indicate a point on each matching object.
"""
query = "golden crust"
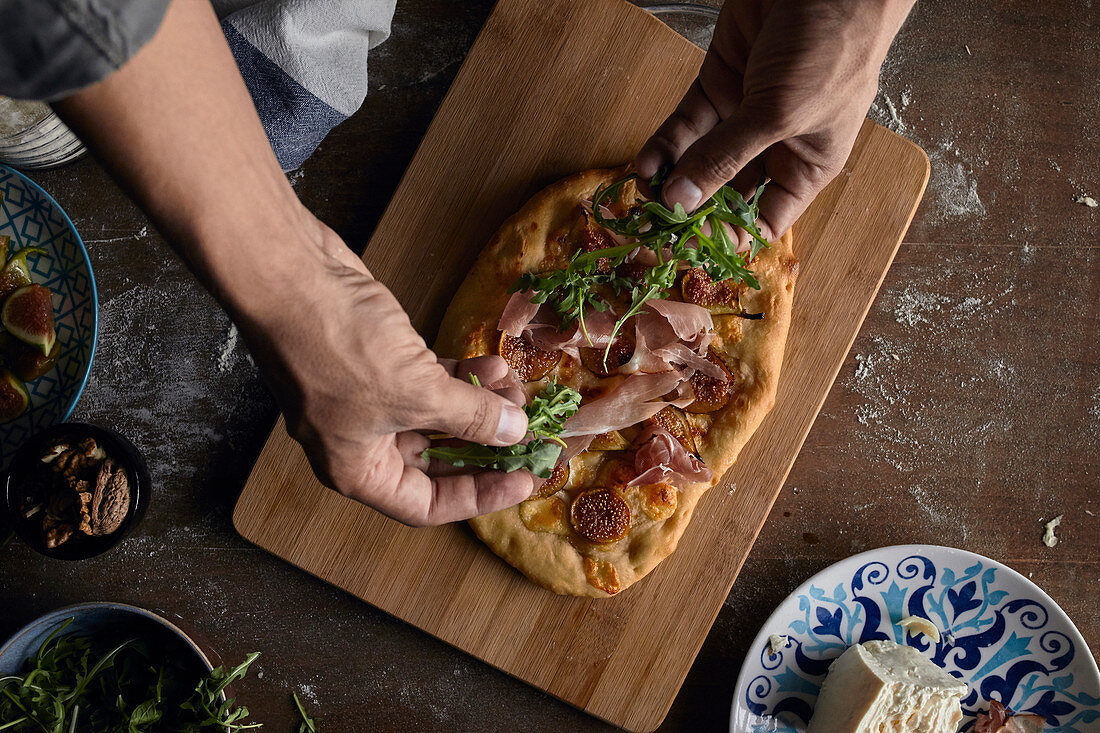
(752, 349)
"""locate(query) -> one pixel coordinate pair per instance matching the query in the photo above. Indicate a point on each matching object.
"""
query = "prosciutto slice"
(518, 313)
(627, 404)
(663, 459)
(687, 319)
(598, 324)
(658, 348)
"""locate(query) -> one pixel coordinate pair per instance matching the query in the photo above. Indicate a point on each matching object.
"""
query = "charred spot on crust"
(544, 515)
(600, 515)
(602, 575)
(710, 393)
(659, 501)
(527, 360)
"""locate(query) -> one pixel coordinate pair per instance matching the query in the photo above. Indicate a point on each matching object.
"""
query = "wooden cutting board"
(551, 87)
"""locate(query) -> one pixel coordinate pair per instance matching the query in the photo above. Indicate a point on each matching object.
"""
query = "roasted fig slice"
(720, 298)
(28, 315)
(527, 360)
(609, 441)
(711, 393)
(675, 422)
(16, 274)
(13, 396)
(28, 362)
(558, 478)
(600, 515)
(621, 351)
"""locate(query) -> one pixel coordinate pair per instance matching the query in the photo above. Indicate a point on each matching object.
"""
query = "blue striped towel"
(305, 63)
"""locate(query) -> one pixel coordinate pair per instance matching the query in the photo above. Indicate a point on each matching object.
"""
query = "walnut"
(56, 531)
(76, 460)
(110, 501)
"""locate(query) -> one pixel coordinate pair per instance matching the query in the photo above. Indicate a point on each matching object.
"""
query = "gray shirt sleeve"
(52, 48)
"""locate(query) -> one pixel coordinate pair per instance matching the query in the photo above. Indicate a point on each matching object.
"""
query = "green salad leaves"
(101, 684)
(699, 239)
(546, 416)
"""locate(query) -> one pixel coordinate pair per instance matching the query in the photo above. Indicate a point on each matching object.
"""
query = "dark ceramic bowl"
(26, 461)
(102, 616)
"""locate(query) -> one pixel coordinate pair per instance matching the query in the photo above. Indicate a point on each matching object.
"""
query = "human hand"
(783, 91)
(356, 382)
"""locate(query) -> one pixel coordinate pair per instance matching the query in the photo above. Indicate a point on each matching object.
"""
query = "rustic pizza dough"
(553, 555)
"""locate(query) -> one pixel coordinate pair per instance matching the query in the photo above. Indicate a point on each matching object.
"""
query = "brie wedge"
(883, 687)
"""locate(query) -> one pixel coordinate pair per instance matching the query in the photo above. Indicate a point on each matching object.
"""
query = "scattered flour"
(915, 307)
(955, 192)
(308, 693)
(228, 349)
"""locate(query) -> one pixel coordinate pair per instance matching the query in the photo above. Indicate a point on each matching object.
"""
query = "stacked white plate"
(32, 136)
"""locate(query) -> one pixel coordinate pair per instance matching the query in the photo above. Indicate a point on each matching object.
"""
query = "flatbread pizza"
(669, 331)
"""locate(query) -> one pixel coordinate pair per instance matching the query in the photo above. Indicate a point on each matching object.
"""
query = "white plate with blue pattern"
(32, 218)
(1000, 633)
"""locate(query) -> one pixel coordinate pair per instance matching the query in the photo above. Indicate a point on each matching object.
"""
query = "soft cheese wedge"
(883, 687)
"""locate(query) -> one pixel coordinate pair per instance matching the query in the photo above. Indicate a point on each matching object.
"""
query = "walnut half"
(110, 501)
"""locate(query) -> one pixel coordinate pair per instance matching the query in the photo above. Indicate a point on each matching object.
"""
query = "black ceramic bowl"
(26, 461)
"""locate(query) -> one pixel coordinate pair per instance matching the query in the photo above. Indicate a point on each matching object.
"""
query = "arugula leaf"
(307, 725)
(579, 286)
(546, 416)
(109, 684)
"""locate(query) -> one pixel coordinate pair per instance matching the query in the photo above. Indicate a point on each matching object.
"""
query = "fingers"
(716, 158)
(798, 169)
(694, 117)
(421, 499)
(487, 369)
(475, 414)
(779, 208)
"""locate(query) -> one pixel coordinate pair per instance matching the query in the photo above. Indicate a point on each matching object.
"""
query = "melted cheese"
(883, 687)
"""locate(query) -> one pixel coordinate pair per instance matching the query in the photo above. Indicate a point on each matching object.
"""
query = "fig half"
(27, 361)
(13, 396)
(16, 274)
(28, 315)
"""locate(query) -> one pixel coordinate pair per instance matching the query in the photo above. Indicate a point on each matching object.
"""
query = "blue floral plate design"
(999, 632)
(32, 218)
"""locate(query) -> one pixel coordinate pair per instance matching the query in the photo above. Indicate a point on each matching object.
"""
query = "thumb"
(714, 159)
(477, 415)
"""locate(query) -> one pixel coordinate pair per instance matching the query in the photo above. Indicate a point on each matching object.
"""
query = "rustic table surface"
(967, 413)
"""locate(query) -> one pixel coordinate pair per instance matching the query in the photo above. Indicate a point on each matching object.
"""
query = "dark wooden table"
(967, 413)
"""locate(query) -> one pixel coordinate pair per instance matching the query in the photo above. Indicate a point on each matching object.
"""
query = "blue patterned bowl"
(32, 218)
(1000, 633)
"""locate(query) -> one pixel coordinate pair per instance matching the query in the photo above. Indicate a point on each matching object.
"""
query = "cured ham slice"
(687, 319)
(518, 313)
(628, 404)
(658, 348)
(661, 459)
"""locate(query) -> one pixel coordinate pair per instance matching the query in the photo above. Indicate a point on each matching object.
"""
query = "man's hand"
(176, 127)
(783, 91)
(356, 382)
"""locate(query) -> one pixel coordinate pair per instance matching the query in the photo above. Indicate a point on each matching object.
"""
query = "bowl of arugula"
(106, 667)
